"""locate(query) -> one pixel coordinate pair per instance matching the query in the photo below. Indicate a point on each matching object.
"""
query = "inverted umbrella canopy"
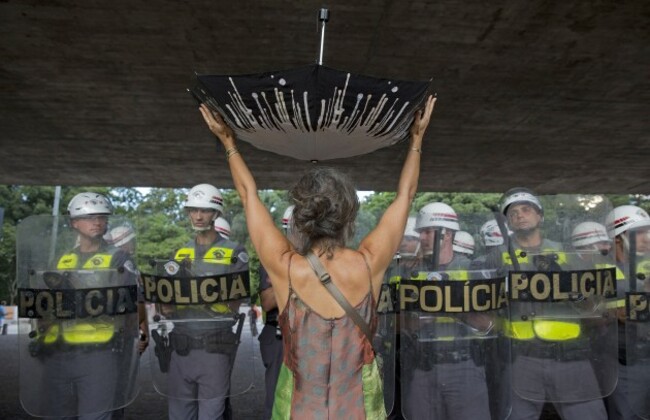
(314, 112)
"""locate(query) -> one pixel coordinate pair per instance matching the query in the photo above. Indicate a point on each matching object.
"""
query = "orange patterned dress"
(329, 369)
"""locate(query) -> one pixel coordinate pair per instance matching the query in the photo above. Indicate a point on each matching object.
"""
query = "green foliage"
(377, 203)
(462, 203)
(274, 200)
(366, 221)
(158, 237)
(165, 201)
(126, 200)
(8, 262)
(162, 225)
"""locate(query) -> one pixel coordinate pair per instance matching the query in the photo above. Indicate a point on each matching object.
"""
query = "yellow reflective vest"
(544, 329)
(81, 332)
(214, 255)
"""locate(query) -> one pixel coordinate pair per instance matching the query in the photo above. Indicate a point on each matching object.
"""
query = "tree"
(162, 226)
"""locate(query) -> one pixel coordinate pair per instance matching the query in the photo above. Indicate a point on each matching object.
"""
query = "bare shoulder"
(371, 259)
(278, 267)
(376, 265)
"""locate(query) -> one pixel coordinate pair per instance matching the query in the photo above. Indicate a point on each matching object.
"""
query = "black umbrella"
(313, 112)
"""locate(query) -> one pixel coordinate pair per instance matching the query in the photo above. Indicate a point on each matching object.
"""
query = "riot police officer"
(490, 237)
(123, 237)
(591, 236)
(630, 398)
(441, 370)
(89, 359)
(490, 234)
(437, 224)
(409, 249)
(550, 344)
(407, 259)
(464, 243)
(203, 344)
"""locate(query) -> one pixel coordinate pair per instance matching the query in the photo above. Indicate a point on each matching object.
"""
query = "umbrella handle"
(323, 18)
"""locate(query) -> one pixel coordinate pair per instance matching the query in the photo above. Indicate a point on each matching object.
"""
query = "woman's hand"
(218, 126)
(421, 121)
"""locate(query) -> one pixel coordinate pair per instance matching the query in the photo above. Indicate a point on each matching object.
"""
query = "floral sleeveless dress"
(329, 369)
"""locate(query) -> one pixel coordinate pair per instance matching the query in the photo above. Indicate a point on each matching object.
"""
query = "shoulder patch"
(171, 267)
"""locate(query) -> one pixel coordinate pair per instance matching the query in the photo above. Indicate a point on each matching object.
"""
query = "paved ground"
(148, 404)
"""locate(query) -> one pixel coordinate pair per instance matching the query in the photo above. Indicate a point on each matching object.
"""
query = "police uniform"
(633, 383)
(446, 370)
(270, 348)
(91, 375)
(540, 343)
(197, 373)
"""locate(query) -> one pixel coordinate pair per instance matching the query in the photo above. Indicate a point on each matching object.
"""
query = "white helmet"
(623, 218)
(287, 217)
(120, 235)
(89, 203)
(463, 243)
(204, 196)
(491, 234)
(518, 196)
(222, 226)
(410, 228)
(588, 233)
(436, 215)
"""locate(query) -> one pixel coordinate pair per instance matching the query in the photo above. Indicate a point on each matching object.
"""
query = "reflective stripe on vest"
(545, 330)
(542, 329)
(505, 256)
(214, 255)
(74, 332)
(455, 275)
(97, 261)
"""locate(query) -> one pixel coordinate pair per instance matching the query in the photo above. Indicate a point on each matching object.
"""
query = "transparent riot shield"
(562, 299)
(384, 341)
(451, 356)
(637, 326)
(80, 295)
(202, 341)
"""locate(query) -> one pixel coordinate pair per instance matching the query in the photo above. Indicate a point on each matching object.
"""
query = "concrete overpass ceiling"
(551, 95)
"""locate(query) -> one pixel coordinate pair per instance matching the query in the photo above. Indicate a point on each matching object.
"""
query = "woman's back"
(329, 366)
(326, 206)
(349, 272)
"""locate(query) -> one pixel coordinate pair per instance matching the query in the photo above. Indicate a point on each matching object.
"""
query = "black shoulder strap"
(326, 280)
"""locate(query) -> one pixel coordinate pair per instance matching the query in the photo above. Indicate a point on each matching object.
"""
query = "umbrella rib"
(354, 112)
(387, 116)
(305, 95)
(401, 111)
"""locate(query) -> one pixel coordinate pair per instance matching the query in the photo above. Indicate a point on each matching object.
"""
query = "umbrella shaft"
(323, 17)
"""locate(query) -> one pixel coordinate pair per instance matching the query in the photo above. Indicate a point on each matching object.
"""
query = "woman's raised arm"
(267, 239)
(382, 242)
